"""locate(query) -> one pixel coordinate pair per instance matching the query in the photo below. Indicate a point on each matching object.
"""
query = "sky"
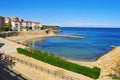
(67, 13)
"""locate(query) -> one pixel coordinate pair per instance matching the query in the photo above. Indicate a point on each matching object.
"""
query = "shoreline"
(20, 39)
(81, 62)
(11, 44)
(99, 62)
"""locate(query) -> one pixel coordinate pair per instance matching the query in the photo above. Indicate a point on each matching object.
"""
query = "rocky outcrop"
(68, 36)
(108, 62)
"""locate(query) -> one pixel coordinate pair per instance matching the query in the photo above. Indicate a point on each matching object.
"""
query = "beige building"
(7, 19)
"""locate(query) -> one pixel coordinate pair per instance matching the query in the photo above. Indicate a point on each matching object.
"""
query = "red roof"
(36, 22)
(25, 21)
(16, 21)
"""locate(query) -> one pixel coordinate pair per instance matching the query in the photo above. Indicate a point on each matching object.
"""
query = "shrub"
(114, 76)
(30, 27)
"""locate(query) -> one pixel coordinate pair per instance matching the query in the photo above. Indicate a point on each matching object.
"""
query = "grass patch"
(57, 61)
(114, 76)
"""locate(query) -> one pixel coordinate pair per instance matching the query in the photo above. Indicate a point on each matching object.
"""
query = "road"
(7, 74)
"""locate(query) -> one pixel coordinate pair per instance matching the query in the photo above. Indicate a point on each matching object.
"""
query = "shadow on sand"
(5, 72)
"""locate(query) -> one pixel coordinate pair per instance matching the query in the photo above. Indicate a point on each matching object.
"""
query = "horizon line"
(89, 27)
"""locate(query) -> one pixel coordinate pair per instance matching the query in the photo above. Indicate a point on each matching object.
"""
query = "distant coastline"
(87, 27)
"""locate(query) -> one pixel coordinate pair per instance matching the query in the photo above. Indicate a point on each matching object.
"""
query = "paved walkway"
(9, 46)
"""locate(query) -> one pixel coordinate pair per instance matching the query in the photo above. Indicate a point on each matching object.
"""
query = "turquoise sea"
(96, 42)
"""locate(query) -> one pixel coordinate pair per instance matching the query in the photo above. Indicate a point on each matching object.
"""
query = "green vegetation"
(114, 76)
(49, 27)
(57, 61)
(27, 28)
(30, 27)
(8, 27)
(21, 27)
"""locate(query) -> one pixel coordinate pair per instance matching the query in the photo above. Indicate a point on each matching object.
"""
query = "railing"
(42, 69)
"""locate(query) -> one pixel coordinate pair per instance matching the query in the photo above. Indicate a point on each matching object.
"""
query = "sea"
(96, 42)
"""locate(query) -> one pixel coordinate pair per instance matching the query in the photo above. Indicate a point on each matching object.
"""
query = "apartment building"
(23, 25)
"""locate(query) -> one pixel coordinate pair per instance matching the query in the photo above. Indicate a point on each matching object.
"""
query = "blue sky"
(85, 13)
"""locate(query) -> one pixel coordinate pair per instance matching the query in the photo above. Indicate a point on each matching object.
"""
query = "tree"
(30, 27)
(27, 28)
(9, 26)
(21, 27)
(49, 27)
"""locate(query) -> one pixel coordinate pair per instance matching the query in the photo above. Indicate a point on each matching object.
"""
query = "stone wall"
(23, 33)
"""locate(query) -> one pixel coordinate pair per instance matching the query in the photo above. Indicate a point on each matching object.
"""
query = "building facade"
(22, 25)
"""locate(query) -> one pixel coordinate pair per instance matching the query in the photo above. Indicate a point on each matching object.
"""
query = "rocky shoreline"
(108, 62)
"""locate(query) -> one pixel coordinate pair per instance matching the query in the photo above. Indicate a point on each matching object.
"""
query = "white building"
(36, 25)
(21, 25)
(16, 25)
